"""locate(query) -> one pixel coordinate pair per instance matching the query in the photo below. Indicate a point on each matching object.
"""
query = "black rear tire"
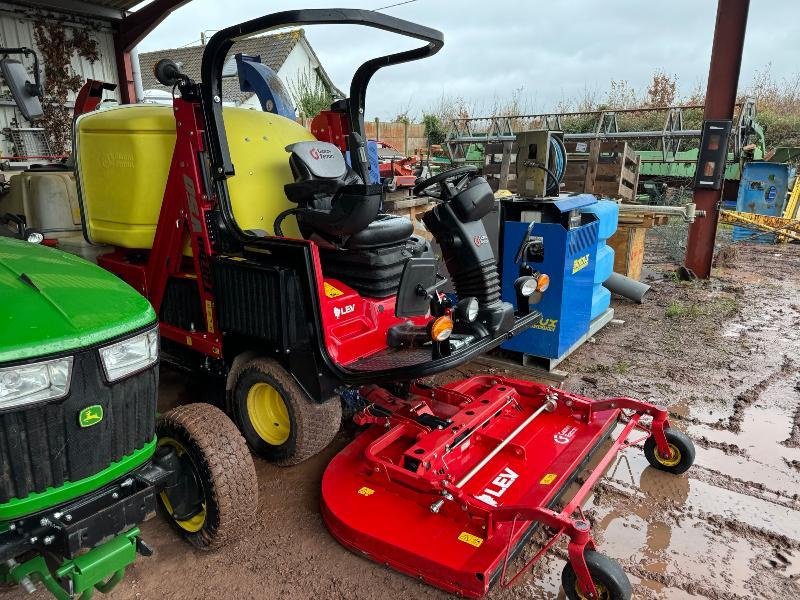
(683, 452)
(222, 472)
(295, 428)
(609, 579)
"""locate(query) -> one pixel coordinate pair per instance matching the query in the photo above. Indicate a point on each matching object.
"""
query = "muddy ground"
(723, 355)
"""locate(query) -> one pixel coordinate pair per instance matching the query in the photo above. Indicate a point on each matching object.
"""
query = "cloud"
(552, 50)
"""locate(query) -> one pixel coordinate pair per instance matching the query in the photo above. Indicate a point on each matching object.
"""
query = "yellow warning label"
(210, 316)
(580, 263)
(548, 479)
(332, 292)
(365, 491)
(468, 538)
(188, 340)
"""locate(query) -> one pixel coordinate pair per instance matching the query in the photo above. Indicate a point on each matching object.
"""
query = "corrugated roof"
(273, 49)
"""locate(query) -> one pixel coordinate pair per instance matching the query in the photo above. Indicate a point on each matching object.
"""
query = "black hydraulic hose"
(279, 219)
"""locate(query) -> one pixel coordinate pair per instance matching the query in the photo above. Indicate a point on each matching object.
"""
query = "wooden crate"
(628, 245)
(609, 169)
(412, 208)
(628, 242)
(500, 167)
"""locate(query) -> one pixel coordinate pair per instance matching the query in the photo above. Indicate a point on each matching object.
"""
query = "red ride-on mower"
(278, 271)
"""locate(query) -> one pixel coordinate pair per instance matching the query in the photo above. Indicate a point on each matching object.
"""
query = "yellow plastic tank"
(123, 158)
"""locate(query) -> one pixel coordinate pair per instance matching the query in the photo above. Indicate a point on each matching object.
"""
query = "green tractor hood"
(53, 302)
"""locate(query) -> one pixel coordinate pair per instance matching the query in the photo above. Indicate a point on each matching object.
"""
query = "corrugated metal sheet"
(16, 29)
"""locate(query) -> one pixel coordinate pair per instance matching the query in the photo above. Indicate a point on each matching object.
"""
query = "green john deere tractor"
(83, 459)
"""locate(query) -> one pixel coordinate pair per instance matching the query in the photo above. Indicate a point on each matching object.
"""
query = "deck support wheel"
(608, 577)
(682, 452)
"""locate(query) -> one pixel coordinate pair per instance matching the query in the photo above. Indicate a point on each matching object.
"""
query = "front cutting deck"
(446, 484)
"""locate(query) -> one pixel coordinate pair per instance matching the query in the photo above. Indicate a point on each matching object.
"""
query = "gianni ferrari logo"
(480, 240)
(499, 486)
(320, 154)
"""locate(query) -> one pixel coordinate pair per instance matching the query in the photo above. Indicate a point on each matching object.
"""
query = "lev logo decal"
(480, 240)
(565, 436)
(91, 415)
(499, 486)
(345, 310)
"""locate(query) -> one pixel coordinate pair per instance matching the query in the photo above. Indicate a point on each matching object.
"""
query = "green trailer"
(84, 460)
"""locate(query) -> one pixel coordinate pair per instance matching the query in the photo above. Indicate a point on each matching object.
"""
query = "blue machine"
(762, 190)
(372, 159)
(265, 84)
(607, 212)
(551, 236)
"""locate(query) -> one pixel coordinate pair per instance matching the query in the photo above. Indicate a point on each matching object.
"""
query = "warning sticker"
(548, 479)
(468, 538)
(365, 491)
(332, 292)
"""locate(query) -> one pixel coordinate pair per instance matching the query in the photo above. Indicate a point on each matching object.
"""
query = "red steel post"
(723, 79)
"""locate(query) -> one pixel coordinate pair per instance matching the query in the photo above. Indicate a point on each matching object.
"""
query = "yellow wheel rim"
(602, 592)
(674, 458)
(195, 523)
(268, 414)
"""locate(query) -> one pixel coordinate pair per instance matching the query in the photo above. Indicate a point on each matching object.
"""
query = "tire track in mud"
(793, 440)
(750, 396)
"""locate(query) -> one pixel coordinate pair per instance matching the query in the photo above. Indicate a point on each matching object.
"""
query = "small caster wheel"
(608, 577)
(682, 449)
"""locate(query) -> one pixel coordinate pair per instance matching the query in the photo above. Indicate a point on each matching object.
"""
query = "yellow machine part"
(124, 155)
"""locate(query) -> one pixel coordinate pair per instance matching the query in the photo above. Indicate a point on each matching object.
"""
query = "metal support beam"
(133, 29)
(723, 79)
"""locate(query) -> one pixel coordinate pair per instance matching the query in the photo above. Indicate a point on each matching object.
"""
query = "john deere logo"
(91, 415)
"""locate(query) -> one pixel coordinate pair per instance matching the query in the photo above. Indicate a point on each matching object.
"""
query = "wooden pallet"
(608, 169)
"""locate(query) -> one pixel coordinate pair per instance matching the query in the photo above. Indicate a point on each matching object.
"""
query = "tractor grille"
(43, 445)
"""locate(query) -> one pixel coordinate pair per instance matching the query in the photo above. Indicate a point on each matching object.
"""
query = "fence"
(405, 137)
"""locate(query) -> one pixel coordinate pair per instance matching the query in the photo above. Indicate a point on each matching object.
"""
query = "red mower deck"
(448, 483)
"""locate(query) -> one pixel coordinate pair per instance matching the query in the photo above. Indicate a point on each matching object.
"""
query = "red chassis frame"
(379, 495)
(353, 327)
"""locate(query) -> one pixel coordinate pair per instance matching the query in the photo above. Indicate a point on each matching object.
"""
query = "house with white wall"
(288, 53)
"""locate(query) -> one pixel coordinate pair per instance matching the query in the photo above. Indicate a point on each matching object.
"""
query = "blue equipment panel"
(566, 250)
(762, 190)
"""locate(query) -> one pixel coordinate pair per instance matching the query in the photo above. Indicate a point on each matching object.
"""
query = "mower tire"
(280, 422)
(609, 579)
(683, 452)
(217, 489)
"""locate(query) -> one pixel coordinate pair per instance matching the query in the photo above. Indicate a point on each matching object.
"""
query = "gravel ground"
(723, 355)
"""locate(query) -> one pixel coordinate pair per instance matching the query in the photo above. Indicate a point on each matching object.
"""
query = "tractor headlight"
(467, 309)
(35, 382)
(130, 355)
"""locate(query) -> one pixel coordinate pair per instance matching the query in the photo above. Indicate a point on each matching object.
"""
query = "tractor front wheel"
(608, 577)
(280, 422)
(214, 497)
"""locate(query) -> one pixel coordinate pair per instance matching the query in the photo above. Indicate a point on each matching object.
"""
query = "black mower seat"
(385, 230)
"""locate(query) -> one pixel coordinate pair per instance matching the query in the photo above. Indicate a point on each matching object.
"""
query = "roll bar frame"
(221, 42)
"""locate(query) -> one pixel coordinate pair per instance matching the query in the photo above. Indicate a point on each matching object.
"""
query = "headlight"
(467, 309)
(130, 355)
(526, 285)
(35, 382)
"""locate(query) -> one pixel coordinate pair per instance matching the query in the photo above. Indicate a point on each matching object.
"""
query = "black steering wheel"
(450, 182)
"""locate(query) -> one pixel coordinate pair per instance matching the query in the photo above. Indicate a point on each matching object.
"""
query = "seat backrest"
(316, 160)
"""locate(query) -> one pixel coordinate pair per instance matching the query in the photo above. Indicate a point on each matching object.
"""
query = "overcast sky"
(550, 49)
